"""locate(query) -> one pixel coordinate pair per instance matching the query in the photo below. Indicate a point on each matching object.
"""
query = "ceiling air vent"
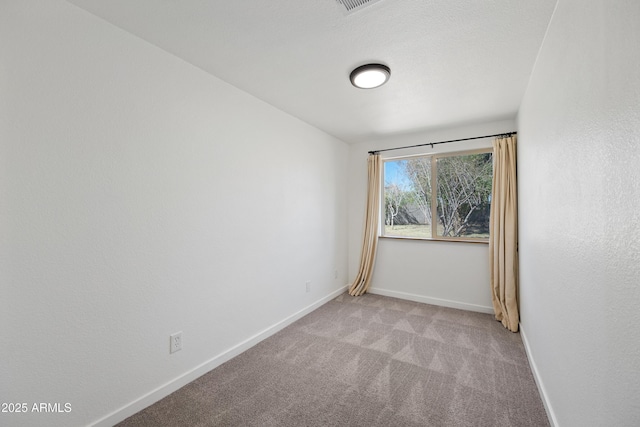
(352, 6)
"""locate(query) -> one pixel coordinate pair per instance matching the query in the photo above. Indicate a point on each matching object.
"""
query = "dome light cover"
(370, 76)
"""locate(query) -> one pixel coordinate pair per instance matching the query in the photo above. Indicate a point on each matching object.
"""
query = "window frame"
(433, 157)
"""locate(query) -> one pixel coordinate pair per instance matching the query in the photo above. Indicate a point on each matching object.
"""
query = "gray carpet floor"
(366, 361)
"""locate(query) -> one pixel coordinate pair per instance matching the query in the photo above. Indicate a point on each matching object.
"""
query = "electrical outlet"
(175, 341)
(308, 285)
(335, 274)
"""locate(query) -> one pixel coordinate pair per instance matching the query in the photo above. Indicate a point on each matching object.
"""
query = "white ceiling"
(452, 61)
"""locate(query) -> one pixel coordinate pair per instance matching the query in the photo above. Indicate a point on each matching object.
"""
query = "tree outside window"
(461, 203)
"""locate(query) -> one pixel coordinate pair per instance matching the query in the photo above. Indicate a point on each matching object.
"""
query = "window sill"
(437, 239)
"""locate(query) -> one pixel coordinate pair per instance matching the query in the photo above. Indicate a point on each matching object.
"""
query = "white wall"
(579, 195)
(140, 196)
(425, 271)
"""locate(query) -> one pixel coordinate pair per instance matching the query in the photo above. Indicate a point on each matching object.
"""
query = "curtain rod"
(443, 142)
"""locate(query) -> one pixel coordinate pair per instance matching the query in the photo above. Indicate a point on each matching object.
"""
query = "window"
(453, 188)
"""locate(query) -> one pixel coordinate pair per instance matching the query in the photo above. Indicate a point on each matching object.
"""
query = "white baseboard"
(433, 301)
(536, 376)
(173, 385)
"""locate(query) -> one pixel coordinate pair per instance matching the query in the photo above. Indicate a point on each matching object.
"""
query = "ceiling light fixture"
(370, 76)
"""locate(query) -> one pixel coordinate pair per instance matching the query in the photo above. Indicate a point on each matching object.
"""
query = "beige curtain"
(503, 240)
(370, 239)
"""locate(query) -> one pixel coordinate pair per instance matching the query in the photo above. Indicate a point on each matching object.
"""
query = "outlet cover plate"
(175, 342)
